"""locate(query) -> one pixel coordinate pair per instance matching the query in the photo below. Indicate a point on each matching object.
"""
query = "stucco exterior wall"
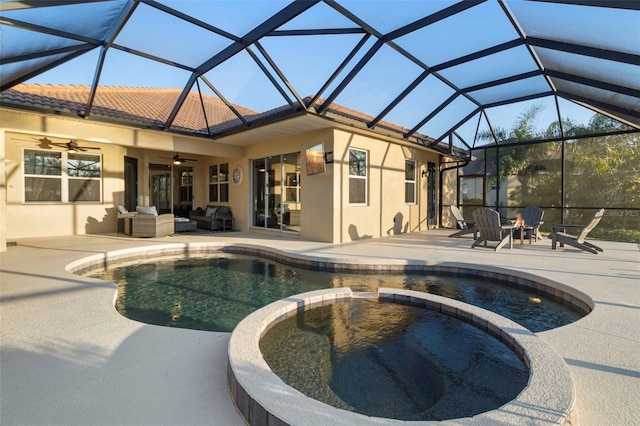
(22, 129)
(386, 212)
(316, 193)
(3, 196)
(325, 212)
(38, 219)
(449, 197)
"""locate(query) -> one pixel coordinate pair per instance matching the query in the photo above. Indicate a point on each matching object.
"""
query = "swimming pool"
(216, 291)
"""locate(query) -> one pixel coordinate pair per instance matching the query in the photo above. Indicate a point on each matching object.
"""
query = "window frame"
(185, 192)
(64, 177)
(413, 182)
(364, 177)
(218, 183)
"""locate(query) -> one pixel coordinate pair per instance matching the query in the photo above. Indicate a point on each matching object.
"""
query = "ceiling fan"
(72, 146)
(179, 159)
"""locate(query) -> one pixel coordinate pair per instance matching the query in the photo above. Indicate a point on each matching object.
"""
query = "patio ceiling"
(437, 72)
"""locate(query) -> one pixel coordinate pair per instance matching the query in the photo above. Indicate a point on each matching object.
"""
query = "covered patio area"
(69, 358)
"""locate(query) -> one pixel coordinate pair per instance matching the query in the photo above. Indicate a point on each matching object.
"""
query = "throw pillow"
(147, 210)
(122, 209)
(210, 212)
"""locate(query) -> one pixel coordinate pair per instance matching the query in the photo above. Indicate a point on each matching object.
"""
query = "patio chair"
(487, 222)
(465, 227)
(559, 235)
(150, 226)
(532, 219)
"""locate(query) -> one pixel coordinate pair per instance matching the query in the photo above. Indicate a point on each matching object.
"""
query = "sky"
(307, 62)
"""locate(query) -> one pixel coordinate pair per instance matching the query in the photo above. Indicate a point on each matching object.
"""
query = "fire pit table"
(522, 232)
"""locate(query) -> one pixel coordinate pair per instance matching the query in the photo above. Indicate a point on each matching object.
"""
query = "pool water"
(216, 292)
(396, 361)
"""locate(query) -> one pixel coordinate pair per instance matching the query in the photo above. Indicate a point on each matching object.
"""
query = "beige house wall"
(326, 214)
(316, 193)
(324, 198)
(449, 197)
(22, 129)
(386, 212)
(26, 220)
(3, 195)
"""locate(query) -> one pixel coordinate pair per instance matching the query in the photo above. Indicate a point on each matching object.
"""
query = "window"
(84, 177)
(357, 177)
(409, 181)
(219, 183)
(186, 185)
(62, 177)
(292, 187)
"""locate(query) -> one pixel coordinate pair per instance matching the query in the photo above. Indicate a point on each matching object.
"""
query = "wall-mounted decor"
(315, 159)
(328, 157)
(236, 175)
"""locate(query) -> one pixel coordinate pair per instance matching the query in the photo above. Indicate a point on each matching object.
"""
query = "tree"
(609, 165)
(599, 171)
(527, 161)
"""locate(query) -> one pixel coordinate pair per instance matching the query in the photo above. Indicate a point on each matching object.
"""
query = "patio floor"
(67, 357)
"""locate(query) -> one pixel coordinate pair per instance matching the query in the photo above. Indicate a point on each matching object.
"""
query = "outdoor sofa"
(213, 218)
(145, 222)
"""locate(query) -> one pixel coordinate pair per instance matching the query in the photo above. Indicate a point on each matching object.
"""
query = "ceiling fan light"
(72, 147)
(177, 159)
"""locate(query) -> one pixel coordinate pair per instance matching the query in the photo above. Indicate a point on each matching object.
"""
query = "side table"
(124, 222)
(226, 221)
(510, 229)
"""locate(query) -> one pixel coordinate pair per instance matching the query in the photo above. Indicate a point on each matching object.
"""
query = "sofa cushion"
(147, 210)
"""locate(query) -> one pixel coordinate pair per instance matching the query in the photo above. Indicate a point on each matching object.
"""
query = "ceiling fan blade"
(73, 146)
(45, 143)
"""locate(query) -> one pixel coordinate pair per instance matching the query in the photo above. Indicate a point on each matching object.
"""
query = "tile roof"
(352, 114)
(151, 107)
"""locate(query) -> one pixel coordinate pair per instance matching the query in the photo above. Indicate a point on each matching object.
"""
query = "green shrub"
(621, 235)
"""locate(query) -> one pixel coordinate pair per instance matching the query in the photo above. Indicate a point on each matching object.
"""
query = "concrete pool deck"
(67, 357)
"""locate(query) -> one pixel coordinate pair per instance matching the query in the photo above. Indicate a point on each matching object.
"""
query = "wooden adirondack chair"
(465, 226)
(487, 222)
(559, 236)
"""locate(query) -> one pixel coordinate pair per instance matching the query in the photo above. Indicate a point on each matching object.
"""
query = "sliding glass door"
(160, 187)
(276, 192)
(171, 189)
